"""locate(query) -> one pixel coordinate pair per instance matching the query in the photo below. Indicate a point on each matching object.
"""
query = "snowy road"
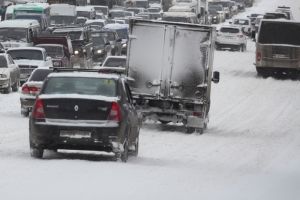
(251, 149)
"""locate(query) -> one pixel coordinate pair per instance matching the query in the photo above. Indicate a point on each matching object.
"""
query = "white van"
(18, 32)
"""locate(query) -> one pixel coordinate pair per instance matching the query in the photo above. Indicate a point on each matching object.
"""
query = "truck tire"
(190, 130)
(136, 148)
(263, 72)
(36, 152)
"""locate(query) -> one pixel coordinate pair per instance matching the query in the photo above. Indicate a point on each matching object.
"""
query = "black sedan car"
(84, 111)
(101, 46)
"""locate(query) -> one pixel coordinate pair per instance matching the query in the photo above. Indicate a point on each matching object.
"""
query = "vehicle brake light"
(258, 56)
(115, 112)
(29, 90)
(38, 109)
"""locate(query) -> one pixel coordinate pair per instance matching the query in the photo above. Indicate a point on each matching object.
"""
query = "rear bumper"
(99, 139)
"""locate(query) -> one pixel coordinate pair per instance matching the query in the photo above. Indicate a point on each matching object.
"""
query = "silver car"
(9, 74)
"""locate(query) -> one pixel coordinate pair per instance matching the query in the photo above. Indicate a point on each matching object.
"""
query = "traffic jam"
(91, 73)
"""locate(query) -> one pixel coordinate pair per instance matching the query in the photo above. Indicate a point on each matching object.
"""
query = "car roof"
(27, 48)
(84, 75)
(116, 26)
(122, 57)
(20, 23)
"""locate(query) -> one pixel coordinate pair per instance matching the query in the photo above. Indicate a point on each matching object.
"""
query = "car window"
(39, 75)
(115, 62)
(3, 62)
(81, 85)
(128, 93)
(10, 60)
(229, 30)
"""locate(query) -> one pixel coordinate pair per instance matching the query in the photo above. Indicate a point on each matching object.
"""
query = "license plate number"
(75, 134)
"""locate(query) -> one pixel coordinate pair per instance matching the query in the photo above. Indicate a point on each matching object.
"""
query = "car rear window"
(230, 30)
(241, 22)
(115, 62)
(279, 33)
(81, 85)
(39, 74)
(3, 62)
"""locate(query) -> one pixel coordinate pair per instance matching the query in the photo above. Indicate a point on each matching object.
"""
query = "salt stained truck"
(170, 68)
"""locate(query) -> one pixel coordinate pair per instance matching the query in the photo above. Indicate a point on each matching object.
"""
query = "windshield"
(65, 20)
(39, 74)
(279, 33)
(122, 33)
(36, 17)
(18, 34)
(81, 85)
(81, 20)
(212, 11)
(3, 62)
(102, 9)
(117, 14)
(175, 19)
(115, 62)
(101, 24)
(84, 14)
(229, 30)
(26, 54)
(74, 35)
(98, 41)
(241, 22)
(53, 51)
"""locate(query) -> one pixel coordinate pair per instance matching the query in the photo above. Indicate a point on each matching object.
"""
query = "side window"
(128, 93)
(11, 61)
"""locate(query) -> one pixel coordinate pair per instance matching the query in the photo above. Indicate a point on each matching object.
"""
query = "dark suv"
(84, 111)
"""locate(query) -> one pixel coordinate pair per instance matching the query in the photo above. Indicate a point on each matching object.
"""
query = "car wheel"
(124, 154)
(136, 148)
(7, 90)
(25, 113)
(36, 152)
(164, 122)
(16, 86)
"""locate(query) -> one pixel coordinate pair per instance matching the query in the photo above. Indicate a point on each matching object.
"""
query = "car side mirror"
(48, 58)
(216, 77)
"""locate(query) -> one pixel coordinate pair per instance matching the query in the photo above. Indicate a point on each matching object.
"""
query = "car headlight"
(56, 63)
(84, 50)
(124, 45)
(3, 76)
(76, 52)
(99, 51)
(215, 17)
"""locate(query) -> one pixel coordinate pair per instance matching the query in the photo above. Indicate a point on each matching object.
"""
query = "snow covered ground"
(251, 149)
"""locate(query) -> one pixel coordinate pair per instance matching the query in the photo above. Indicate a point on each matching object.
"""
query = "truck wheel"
(262, 72)
(164, 122)
(16, 86)
(199, 130)
(36, 152)
(124, 154)
(190, 130)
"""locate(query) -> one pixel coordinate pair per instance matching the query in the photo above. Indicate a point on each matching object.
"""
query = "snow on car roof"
(179, 14)
(84, 74)
(85, 8)
(27, 48)
(62, 30)
(20, 23)
(116, 26)
(95, 20)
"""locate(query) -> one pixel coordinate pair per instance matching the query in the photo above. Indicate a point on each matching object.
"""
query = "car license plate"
(75, 134)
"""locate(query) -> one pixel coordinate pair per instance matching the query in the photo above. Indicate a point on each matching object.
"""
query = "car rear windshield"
(279, 33)
(81, 85)
(115, 62)
(229, 30)
(39, 74)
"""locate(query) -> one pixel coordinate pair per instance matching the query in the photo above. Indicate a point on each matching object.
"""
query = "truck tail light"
(258, 56)
(38, 110)
(115, 112)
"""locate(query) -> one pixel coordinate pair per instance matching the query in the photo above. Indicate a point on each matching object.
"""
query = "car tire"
(164, 122)
(36, 152)
(136, 148)
(25, 113)
(16, 86)
(124, 154)
(7, 90)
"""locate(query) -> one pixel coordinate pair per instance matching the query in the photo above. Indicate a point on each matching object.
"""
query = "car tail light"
(38, 109)
(258, 56)
(197, 114)
(115, 112)
(29, 90)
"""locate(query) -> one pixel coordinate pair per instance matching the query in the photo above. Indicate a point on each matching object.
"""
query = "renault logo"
(76, 108)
